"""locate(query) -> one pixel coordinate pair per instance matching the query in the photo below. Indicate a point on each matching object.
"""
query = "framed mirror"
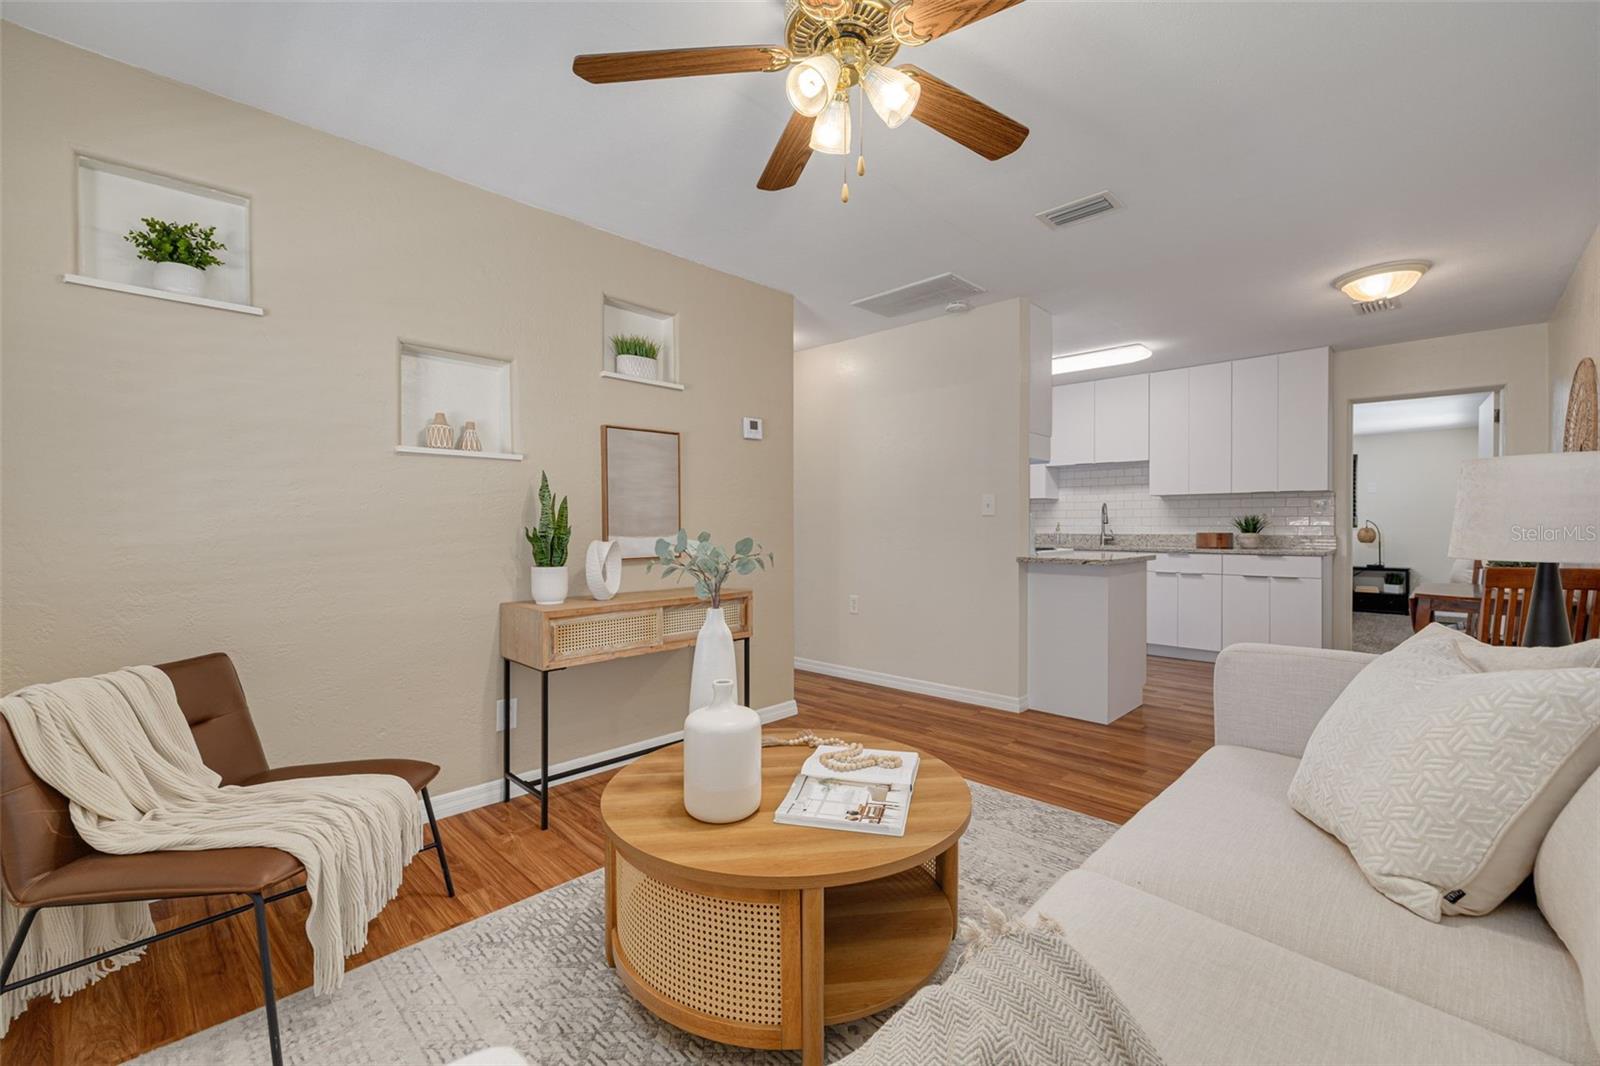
(641, 491)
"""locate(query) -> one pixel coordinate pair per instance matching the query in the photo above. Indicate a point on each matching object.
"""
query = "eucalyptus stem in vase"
(710, 567)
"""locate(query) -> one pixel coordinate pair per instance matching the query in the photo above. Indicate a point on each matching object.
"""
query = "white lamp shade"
(1528, 508)
(830, 134)
(892, 94)
(811, 82)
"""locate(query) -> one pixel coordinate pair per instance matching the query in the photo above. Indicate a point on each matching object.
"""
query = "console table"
(581, 631)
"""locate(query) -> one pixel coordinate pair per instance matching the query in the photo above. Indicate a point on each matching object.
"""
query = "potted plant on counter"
(180, 251)
(1250, 527)
(549, 543)
(636, 356)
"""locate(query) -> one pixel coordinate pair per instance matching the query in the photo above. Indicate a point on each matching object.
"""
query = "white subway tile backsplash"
(1125, 490)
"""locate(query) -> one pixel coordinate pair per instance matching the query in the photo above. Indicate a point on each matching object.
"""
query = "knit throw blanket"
(1021, 996)
(119, 749)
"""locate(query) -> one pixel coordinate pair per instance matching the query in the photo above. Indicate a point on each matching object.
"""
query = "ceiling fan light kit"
(833, 47)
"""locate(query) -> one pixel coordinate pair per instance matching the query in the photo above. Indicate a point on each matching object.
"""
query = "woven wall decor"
(1583, 411)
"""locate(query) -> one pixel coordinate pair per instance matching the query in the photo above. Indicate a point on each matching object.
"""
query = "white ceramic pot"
(1247, 540)
(722, 758)
(713, 657)
(178, 277)
(602, 568)
(637, 366)
(549, 584)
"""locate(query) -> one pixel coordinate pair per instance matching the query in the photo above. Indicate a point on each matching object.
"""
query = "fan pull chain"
(861, 123)
(844, 190)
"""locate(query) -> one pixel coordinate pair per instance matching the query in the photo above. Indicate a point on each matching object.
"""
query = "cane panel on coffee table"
(759, 934)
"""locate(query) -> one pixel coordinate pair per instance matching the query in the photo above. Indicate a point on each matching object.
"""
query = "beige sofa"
(1236, 931)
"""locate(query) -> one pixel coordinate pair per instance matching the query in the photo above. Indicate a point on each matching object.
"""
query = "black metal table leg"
(544, 749)
(505, 742)
(747, 671)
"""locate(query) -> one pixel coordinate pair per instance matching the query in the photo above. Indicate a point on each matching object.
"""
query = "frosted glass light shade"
(1529, 508)
(893, 94)
(1382, 282)
(811, 82)
(830, 134)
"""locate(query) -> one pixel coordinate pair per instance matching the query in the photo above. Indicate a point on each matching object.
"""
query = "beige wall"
(1514, 360)
(1574, 334)
(1408, 489)
(897, 436)
(179, 479)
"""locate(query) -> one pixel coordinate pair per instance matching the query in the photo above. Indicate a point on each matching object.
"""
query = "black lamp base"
(1546, 625)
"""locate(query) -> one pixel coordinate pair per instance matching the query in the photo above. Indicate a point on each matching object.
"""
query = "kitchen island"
(1086, 632)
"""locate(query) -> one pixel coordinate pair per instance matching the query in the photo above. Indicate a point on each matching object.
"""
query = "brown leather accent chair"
(44, 863)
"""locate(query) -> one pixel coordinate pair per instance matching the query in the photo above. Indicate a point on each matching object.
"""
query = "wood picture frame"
(641, 487)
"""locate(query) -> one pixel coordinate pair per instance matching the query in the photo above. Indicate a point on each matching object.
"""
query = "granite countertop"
(1172, 544)
(1081, 557)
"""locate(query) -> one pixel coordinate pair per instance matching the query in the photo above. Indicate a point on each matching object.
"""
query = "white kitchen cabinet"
(1122, 419)
(1169, 433)
(1303, 444)
(1246, 609)
(1200, 611)
(1041, 394)
(1161, 608)
(1296, 611)
(1255, 425)
(1210, 428)
(1072, 424)
(1041, 483)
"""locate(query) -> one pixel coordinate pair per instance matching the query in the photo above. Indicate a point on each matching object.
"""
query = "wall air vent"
(1078, 210)
(920, 296)
(1381, 304)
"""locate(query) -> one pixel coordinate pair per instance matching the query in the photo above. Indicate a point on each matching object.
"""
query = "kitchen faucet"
(1106, 536)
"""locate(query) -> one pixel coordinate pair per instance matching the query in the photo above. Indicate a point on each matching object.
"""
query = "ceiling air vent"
(920, 296)
(1078, 210)
(1384, 303)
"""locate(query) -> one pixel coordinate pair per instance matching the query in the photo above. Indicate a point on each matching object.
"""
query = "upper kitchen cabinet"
(1041, 343)
(1303, 449)
(1255, 425)
(1169, 432)
(1122, 419)
(1190, 430)
(1072, 426)
(1041, 483)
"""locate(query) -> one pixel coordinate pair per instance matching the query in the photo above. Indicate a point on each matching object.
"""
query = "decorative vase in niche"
(722, 758)
(602, 568)
(713, 657)
(1248, 540)
(180, 278)
(637, 366)
(469, 438)
(549, 584)
(438, 434)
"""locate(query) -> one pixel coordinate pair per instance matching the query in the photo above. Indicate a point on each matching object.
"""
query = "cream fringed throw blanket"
(118, 747)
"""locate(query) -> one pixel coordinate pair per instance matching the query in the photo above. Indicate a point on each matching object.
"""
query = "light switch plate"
(986, 505)
(752, 427)
(500, 715)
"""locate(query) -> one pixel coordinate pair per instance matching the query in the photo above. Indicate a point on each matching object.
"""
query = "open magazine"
(873, 799)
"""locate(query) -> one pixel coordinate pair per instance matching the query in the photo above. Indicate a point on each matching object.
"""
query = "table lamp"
(1543, 509)
(1370, 532)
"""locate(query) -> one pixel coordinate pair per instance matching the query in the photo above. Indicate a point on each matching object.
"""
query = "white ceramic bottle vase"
(713, 657)
(722, 758)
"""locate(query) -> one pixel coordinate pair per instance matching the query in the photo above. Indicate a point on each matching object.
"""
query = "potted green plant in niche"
(1250, 527)
(181, 252)
(637, 356)
(549, 543)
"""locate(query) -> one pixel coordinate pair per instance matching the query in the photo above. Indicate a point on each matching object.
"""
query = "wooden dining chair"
(1505, 603)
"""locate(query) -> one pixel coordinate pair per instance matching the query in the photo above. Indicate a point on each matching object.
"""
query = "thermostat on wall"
(752, 428)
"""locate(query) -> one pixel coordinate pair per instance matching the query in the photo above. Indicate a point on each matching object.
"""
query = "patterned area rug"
(1378, 633)
(533, 976)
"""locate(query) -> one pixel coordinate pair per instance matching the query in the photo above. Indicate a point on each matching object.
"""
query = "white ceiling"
(1421, 413)
(1259, 150)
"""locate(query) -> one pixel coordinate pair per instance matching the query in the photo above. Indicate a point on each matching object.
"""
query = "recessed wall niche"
(464, 388)
(621, 317)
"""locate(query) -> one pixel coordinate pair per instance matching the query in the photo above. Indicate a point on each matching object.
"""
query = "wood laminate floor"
(499, 856)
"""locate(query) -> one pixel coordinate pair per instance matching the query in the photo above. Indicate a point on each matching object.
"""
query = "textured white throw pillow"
(1443, 763)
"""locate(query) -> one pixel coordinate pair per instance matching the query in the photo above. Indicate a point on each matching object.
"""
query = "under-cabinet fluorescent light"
(1126, 353)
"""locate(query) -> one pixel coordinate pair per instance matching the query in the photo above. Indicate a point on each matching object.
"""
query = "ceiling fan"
(832, 47)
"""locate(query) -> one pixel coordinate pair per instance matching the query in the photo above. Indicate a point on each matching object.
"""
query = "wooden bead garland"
(851, 758)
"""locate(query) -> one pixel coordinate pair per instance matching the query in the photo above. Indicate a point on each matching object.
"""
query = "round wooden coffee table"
(759, 934)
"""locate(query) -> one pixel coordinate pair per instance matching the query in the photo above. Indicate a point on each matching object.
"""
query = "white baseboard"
(1163, 651)
(993, 700)
(473, 796)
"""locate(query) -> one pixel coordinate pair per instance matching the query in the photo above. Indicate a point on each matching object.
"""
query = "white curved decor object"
(602, 568)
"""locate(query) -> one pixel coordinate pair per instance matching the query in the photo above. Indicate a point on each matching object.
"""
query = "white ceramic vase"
(549, 584)
(722, 758)
(602, 568)
(637, 366)
(180, 278)
(713, 657)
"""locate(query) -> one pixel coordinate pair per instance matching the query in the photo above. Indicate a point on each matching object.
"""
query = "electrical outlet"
(986, 505)
(855, 604)
(500, 715)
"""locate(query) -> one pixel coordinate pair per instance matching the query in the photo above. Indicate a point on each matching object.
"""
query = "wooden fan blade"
(920, 21)
(679, 63)
(964, 120)
(790, 156)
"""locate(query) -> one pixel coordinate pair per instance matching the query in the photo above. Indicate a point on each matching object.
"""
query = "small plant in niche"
(549, 543)
(181, 252)
(636, 355)
(708, 564)
(1250, 527)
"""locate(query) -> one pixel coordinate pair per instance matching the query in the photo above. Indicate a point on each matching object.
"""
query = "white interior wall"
(1407, 487)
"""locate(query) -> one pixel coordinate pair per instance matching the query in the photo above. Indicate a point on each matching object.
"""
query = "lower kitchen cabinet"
(1205, 602)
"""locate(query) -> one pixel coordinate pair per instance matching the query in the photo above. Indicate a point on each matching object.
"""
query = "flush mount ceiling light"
(1386, 281)
(1101, 357)
(832, 47)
